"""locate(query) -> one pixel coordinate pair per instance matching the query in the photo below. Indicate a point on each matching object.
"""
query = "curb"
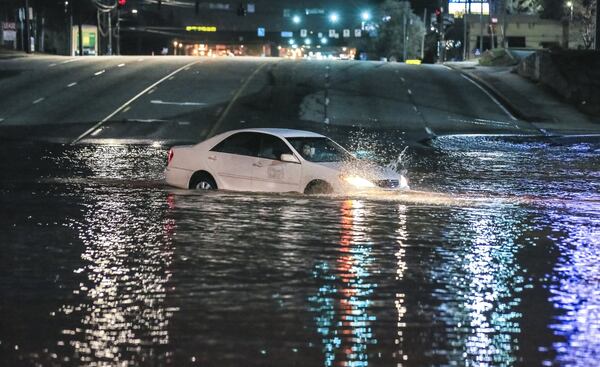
(516, 111)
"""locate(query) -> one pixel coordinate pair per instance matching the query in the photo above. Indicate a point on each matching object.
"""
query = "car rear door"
(270, 173)
(233, 160)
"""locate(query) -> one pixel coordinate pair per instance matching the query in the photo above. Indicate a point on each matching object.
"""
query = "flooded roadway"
(494, 260)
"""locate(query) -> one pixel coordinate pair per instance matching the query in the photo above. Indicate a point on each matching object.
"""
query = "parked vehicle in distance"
(275, 160)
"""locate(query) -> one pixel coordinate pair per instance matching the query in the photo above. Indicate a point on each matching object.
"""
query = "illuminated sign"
(286, 34)
(314, 11)
(200, 28)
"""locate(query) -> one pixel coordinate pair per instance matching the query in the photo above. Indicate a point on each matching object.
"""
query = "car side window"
(241, 144)
(272, 147)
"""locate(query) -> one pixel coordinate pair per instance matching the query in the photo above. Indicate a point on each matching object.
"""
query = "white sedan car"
(275, 160)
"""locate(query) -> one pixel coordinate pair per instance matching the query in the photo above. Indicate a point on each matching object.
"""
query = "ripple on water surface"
(492, 260)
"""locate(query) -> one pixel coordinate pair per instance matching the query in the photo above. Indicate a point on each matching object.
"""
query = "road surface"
(185, 99)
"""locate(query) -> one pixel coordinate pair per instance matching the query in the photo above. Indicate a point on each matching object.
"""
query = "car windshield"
(319, 150)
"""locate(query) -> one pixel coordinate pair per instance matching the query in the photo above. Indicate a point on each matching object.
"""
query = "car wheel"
(318, 187)
(203, 182)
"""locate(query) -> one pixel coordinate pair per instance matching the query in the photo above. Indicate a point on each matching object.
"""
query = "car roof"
(286, 133)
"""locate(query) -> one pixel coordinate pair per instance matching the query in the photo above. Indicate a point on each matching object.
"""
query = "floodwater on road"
(493, 260)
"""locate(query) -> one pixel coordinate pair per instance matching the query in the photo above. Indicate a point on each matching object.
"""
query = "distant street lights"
(334, 17)
(296, 19)
(365, 15)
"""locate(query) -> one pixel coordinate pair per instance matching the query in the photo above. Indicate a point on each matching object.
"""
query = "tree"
(584, 12)
(400, 31)
(553, 9)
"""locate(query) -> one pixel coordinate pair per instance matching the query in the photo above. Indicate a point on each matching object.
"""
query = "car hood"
(362, 168)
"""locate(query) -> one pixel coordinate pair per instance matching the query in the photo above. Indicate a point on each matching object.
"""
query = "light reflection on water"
(483, 280)
(343, 302)
(493, 261)
(575, 286)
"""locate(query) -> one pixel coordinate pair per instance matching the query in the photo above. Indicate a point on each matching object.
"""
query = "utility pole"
(481, 27)
(442, 45)
(79, 29)
(405, 38)
(424, 33)
(27, 28)
(465, 26)
(597, 38)
(118, 32)
(110, 35)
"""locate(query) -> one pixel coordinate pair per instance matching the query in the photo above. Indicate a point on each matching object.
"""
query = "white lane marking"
(403, 80)
(415, 108)
(482, 121)
(152, 91)
(99, 72)
(410, 92)
(121, 65)
(183, 122)
(51, 65)
(1, 119)
(72, 85)
(38, 100)
(428, 130)
(491, 97)
(147, 120)
(126, 109)
(96, 132)
(448, 67)
(239, 92)
(157, 101)
(70, 60)
(126, 104)
(171, 78)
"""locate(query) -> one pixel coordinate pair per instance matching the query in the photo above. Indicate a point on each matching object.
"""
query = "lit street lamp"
(296, 19)
(570, 5)
(334, 17)
(365, 15)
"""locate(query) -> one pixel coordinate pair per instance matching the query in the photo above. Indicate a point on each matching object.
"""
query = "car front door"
(270, 173)
(233, 160)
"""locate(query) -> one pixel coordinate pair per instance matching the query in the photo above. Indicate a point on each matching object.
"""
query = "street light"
(365, 15)
(334, 17)
(324, 40)
(570, 5)
(296, 19)
(307, 41)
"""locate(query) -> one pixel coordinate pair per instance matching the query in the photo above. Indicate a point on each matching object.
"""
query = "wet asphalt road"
(184, 99)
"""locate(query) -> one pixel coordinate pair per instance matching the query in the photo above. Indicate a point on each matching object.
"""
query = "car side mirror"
(289, 158)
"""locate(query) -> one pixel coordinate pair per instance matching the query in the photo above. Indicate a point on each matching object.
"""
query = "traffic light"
(121, 3)
(439, 16)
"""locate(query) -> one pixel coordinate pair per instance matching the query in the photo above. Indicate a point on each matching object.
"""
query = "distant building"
(523, 31)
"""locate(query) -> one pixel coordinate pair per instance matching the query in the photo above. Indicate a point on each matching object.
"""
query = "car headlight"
(403, 181)
(359, 182)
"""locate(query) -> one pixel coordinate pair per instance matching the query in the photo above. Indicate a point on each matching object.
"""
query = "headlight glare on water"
(359, 182)
(403, 181)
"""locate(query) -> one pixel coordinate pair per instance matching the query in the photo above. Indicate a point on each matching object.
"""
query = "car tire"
(203, 181)
(318, 187)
